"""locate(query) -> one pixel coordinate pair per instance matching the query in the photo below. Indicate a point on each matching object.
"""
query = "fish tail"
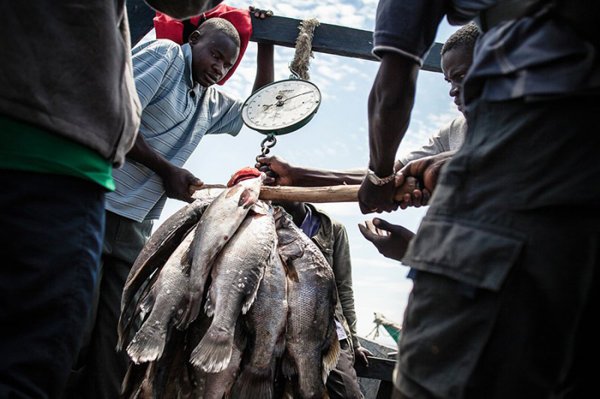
(332, 355)
(148, 344)
(254, 383)
(194, 303)
(213, 353)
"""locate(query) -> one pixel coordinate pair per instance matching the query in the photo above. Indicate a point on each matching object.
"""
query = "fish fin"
(146, 389)
(290, 271)
(130, 387)
(138, 382)
(148, 344)
(209, 307)
(130, 315)
(261, 208)
(288, 391)
(254, 383)
(252, 296)
(147, 302)
(290, 251)
(279, 345)
(247, 198)
(178, 319)
(332, 355)
(194, 304)
(213, 353)
(160, 246)
(144, 307)
(288, 367)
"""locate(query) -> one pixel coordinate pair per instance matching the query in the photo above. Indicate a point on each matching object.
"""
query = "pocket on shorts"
(474, 255)
(453, 305)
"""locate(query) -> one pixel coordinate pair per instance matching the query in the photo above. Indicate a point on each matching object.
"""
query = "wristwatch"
(379, 181)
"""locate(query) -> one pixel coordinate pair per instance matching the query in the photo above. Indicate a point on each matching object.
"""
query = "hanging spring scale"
(283, 93)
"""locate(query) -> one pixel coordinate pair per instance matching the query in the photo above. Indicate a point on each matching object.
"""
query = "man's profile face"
(455, 64)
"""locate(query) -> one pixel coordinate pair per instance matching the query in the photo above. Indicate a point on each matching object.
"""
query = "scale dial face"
(281, 107)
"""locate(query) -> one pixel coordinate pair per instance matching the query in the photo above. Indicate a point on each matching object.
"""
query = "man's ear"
(194, 37)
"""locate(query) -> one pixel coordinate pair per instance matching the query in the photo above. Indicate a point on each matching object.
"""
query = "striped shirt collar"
(187, 55)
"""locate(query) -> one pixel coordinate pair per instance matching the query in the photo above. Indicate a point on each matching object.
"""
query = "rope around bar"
(303, 53)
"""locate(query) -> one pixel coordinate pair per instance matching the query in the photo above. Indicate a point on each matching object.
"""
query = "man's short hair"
(465, 37)
(220, 25)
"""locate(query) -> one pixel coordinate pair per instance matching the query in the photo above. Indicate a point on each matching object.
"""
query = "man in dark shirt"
(68, 115)
(510, 315)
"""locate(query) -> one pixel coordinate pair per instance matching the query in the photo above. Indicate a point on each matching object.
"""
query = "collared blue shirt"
(531, 57)
(311, 224)
(177, 113)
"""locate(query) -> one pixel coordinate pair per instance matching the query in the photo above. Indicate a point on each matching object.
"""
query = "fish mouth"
(244, 174)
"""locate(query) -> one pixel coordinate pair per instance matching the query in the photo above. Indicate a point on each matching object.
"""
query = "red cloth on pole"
(172, 29)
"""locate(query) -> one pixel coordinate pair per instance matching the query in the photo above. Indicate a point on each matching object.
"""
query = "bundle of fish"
(229, 299)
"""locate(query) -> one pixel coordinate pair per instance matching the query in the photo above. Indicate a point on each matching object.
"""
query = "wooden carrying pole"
(347, 193)
(311, 194)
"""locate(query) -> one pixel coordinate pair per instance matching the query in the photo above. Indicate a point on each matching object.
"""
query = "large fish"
(312, 346)
(265, 323)
(169, 295)
(217, 225)
(236, 276)
(155, 253)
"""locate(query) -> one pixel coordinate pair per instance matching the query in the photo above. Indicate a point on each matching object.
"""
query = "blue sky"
(336, 138)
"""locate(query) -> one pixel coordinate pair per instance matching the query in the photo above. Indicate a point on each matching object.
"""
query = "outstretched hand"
(391, 240)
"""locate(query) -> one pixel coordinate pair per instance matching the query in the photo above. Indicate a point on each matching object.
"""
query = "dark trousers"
(51, 229)
(342, 382)
(100, 369)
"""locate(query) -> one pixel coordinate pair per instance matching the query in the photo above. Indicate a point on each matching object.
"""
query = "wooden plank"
(379, 369)
(329, 39)
(283, 31)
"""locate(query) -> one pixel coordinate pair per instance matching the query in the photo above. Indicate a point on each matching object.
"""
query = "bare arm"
(264, 66)
(181, 9)
(264, 56)
(280, 172)
(390, 104)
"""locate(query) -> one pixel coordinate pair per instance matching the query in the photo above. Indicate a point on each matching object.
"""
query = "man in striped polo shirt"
(174, 84)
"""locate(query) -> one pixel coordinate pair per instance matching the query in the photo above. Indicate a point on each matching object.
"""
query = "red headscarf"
(175, 30)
